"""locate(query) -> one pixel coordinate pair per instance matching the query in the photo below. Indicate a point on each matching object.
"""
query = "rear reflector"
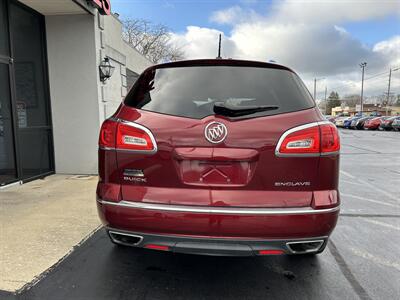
(310, 139)
(157, 247)
(270, 252)
(325, 199)
(122, 135)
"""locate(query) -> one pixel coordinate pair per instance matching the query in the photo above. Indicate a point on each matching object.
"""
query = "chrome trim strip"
(113, 232)
(133, 173)
(106, 148)
(220, 210)
(141, 127)
(297, 128)
(321, 242)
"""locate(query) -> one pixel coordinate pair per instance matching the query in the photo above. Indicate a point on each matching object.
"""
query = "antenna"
(219, 48)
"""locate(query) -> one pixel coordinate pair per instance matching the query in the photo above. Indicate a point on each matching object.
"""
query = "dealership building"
(56, 58)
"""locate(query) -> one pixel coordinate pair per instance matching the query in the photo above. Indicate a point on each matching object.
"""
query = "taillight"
(123, 135)
(310, 139)
(134, 137)
(330, 141)
(107, 134)
(301, 141)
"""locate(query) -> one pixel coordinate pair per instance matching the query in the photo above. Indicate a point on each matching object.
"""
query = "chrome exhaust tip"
(302, 247)
(125, 239)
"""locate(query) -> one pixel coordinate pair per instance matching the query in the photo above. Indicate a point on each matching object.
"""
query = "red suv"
(219, 157)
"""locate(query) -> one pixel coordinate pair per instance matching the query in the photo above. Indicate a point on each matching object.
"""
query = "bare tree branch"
(152, 40)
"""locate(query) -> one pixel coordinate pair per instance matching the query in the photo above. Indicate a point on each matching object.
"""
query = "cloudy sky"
(324, 39)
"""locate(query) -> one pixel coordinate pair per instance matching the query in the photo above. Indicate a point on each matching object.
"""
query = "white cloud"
(304, 35)
(233, 15)
(390, 48)
(198, 42)
(226, 16)
(311, 49)
(328, 11)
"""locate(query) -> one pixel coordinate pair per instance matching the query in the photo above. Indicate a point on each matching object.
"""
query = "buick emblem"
(215, 132)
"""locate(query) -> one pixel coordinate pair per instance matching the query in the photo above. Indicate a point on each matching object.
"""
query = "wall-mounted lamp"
(106, 69)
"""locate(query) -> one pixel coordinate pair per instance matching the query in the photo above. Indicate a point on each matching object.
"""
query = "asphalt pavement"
(361, 260)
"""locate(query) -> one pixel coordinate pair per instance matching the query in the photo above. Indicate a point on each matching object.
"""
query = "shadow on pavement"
(100, 270)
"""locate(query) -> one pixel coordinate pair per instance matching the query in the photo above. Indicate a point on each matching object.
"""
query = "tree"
(321, 106)
(352, 100)
(384, 101)
(397, 103)
(152, 40)
(332, 101)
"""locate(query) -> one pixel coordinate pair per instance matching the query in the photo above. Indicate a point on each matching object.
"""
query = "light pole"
(326, 104)
(388, 90)
(362, 65)
(315, 86)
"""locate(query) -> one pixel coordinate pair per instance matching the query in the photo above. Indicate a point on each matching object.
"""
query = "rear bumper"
(218, 222)
(217, 246)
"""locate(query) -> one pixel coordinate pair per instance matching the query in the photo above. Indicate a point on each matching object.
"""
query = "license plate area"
(214, 173)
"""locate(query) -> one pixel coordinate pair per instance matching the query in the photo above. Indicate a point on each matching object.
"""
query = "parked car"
(354, 122)
(374, 123)
(387, 124)
(359, 124)
(339, 122)
(351, 123)
(203, 157)
(347, 122)
(396, 124)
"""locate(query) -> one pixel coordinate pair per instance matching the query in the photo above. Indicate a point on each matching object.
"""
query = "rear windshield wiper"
(222, 108)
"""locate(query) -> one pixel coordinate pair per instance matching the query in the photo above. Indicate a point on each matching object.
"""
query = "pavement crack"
(344, 268)
(363, 149)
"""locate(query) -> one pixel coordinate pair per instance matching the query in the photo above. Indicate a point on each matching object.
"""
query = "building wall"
(123, 57)
(73, 76)
(80, 101)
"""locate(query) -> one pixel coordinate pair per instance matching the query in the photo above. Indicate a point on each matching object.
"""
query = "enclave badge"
(215, 132)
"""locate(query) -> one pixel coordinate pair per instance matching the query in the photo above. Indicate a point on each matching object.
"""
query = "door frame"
(8, 60)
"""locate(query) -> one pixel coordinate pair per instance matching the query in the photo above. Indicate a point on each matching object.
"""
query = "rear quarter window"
(192, 91)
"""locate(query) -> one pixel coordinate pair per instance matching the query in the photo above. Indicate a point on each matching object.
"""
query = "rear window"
(192, 91)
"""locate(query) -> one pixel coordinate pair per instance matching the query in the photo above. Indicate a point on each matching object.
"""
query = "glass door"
(32, 105)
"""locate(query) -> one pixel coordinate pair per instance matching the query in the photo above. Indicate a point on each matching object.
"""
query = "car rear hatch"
(207, 151)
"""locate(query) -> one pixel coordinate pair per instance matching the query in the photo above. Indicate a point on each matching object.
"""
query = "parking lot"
(361, 260)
